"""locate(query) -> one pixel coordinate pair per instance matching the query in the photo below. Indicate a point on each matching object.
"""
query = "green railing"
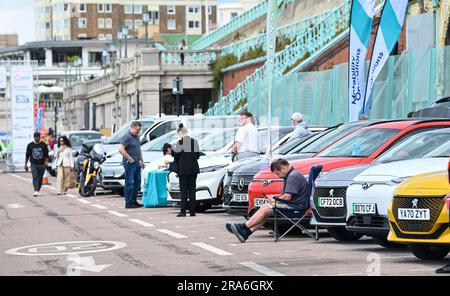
(236, 23)
(306, 43)
(289, 31)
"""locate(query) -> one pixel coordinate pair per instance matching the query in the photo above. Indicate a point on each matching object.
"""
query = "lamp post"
(146, 20)
(119, 37)
(125, 35)
(113, 52)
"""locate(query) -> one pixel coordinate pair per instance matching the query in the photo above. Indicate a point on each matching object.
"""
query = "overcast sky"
(17, 16)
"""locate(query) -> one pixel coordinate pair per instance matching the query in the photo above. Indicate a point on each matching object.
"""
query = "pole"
(137, 104)
(146, 34)
(178, 96)
(206, 17)
(159, 97)
(126, 46)
(56, 119)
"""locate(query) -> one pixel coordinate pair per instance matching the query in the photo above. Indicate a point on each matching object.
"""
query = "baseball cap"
(36, 134)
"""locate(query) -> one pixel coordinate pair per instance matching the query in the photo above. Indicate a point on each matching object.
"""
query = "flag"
(360, 27)
(391, 25)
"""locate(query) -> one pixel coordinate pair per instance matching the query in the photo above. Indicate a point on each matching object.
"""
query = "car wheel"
(429, 252)
(382, 241)
(119, 192)
(342, 235)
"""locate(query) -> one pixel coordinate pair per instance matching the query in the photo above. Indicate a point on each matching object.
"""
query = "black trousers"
(37, 172)
(188, 185)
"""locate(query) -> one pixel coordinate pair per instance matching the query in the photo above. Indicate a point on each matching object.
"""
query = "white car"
(369, 195)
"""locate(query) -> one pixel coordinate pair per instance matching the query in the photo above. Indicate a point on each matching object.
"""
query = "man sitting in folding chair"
(295, 197)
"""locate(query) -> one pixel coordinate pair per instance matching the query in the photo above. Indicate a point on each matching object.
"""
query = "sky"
(17, 16)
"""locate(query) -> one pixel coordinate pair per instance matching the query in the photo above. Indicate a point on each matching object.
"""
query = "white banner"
(360, 28)
(2, 77)
(22, 98)
(391, 25)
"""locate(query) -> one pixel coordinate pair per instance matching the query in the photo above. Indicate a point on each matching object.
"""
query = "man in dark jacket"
(37, 154)
(186, 153)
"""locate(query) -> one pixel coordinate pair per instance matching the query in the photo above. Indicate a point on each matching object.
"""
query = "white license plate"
(240, 197)
(174, 186)
(260, 201)
(331, 202)
(413, 214)
(364, 208)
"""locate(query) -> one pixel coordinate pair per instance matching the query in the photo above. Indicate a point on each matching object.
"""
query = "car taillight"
(448, 170)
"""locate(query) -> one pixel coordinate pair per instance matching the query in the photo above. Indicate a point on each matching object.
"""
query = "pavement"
(70, 235)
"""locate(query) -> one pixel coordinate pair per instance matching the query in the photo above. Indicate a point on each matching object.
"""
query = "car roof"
(80, 132)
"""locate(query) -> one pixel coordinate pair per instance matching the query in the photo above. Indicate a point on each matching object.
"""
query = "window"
(82, 23)
(209, 9)
(82, 7)
(82, 36)
(171, 25)
(47, 26)
(66, 7)
(101, 37)
(137, 24)
(128, 9)
(156, 17)
(101, 8)
(171, 9)
(108, 7)
(194, 24)
(138, 9)
(66, 24)
(129, 24)
(193, 9)
(108, 22)
(108, 36)
(233, 15)
(101, 23)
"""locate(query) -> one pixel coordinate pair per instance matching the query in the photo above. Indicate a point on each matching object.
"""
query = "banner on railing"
(391, 25)
(360, 28)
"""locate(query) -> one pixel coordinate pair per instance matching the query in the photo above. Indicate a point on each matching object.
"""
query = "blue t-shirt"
(132, 145)
(296, 184)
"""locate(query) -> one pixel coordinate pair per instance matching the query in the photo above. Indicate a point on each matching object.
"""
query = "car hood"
(206, 161)
(402, 169)
(342, 176)
(111, 148)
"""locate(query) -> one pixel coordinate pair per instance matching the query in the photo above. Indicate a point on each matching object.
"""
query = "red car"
(360, 147)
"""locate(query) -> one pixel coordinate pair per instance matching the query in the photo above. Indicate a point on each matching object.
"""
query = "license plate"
(240, 197)
(364, 208)
(108, 173)
(414, 214)
(174, 186)
(260, 201)
(331, 202)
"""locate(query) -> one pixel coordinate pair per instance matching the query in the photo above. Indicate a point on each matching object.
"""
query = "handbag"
(71, 181)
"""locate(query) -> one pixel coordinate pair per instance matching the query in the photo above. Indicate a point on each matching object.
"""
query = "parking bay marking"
(171, 233)
(99, 207)
(84, 201)
(140, 222)
(262, 269)
(212, 249)
(117, 214)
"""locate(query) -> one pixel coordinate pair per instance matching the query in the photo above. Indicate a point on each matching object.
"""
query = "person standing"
(133, 162)
(182, 47)
(247, 138)
(186, 153)
(37, 154)
(300, 128)
(64, 164)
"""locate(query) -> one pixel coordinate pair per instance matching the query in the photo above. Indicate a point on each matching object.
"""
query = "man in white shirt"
(247, 138)
(300, 128)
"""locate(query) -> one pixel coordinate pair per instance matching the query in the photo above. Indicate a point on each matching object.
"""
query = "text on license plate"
(240, 197)
(260, 201)
(174, 187)
(413, 214)
(331, 202)
(364, 208)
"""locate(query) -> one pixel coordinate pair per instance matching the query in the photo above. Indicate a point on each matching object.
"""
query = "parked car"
(329, 200)
(419, 215)
(360, 147)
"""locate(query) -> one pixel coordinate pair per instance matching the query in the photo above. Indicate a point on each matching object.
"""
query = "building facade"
(9, 40)
(104, 19)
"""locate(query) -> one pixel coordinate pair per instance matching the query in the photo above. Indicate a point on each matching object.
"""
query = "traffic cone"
(45, 178)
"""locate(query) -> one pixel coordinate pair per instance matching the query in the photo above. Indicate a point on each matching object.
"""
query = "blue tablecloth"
(155, 191)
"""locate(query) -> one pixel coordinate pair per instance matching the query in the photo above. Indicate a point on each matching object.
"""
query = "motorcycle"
(90, 169)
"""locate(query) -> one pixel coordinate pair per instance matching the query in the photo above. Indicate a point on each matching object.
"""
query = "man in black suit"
(186, 153)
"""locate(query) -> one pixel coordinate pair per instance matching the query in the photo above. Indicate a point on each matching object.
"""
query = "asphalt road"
(69, 235)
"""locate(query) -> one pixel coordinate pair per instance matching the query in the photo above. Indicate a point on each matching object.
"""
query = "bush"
(218, 65)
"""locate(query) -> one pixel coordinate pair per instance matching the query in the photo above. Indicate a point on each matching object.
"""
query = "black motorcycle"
(89, 164)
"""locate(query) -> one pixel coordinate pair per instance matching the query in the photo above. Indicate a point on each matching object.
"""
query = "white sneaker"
(38, 193)
(59, 193)
(35, 193)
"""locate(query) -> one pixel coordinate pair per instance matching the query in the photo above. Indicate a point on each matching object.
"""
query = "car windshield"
(158, 143)
(441, 151)
(78, 139)
(361, 143)
(117, 136)
(276, 134)
(417, 146)
(320, 143)
(291, 144)
(216, 141)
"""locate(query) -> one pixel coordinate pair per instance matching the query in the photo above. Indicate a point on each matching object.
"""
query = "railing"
(191, 58)
(233, 25)
(313, 39)
(290, 31)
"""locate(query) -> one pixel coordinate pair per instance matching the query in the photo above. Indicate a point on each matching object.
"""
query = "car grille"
(330, 212)
(227, 195)
(247, 178)
(175, 195)
(435, 235)
(235, 189)
(435, 204)
(368, 221)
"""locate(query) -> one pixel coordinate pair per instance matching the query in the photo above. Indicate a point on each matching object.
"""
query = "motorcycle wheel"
(89, 189)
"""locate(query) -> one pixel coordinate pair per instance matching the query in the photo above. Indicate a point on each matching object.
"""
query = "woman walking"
(64, 164)
(186, 152)
(182, 47)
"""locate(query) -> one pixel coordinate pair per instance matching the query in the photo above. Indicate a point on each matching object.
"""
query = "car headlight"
(96, 165)
(321, 174)
(399, 180)
(212, 168)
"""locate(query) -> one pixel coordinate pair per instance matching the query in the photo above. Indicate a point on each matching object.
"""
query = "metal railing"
(191, 58)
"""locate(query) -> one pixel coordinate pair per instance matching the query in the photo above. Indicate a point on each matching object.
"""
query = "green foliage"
(282, 42)
(241, 103)
(253, 53)
(218, 65)
(298, 62)
(72, 59)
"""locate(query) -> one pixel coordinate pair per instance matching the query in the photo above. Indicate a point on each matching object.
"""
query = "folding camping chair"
(296, 214)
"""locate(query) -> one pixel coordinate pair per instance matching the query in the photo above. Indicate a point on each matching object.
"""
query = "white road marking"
(211, 237)
(234, 245)
(171, 233)
(261, 269)
(420, 270)
(283, 263)
(84, 201)
(72, 195)
(257, 253)
(20, 177)
(163, 222)
(14, 206)
(212, 249)
(117, 214)
(99, 207)
(140, 222)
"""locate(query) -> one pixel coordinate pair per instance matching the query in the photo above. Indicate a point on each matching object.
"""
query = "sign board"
(22, 98)
(2, 77)
(178, 89)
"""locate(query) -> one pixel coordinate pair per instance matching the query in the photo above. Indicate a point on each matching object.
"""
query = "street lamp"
(125, 35)
(146, 20)
(113, 51)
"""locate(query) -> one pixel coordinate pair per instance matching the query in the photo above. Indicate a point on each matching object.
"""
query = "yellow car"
(419, 215)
